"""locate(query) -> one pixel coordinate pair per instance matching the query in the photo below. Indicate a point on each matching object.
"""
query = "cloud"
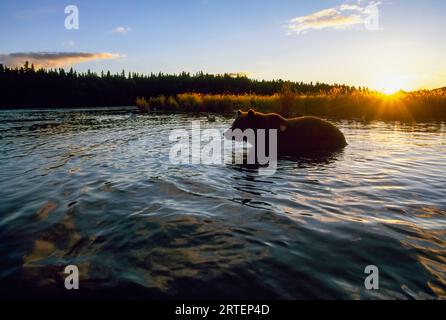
(340, 17)
(69, 43)
(121, 30)
(353, 7)
(53, 59)
(35, 13)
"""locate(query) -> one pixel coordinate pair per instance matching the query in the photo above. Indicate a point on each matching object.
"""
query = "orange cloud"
(53, 59)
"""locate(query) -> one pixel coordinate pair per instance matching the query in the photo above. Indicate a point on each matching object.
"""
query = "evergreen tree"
(25, 86)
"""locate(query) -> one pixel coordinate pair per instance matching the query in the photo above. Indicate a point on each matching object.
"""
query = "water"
(96, 189)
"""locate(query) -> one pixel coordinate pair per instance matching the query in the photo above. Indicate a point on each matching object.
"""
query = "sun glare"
(391, 85)
(389, 90)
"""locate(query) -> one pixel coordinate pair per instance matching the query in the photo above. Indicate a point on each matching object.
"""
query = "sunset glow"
(392, 84)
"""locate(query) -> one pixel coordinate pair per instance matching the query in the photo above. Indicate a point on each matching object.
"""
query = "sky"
(384, 45)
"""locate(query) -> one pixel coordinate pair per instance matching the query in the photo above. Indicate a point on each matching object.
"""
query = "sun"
(391, 85)
(391, 89)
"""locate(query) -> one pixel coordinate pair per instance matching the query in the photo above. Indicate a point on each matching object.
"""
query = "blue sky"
(327, 41)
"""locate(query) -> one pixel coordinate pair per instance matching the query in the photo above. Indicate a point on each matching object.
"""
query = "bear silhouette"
(295, 136)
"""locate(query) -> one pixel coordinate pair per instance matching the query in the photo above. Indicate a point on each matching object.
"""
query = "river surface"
(95, 188)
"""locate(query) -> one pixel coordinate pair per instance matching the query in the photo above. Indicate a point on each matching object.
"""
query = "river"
(95, 188)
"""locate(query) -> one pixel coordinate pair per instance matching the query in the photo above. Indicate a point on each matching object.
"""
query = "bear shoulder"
(272, 120)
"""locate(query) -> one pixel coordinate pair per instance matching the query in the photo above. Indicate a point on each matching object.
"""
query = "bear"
(295, 136)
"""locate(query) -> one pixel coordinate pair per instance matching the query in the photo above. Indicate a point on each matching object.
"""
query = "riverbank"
(413, 106)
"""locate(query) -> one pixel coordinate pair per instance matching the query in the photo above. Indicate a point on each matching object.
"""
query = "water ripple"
(96, 189)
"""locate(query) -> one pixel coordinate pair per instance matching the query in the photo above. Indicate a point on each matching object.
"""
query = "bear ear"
(251, 113)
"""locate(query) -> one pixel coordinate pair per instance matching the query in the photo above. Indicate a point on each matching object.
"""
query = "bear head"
(257, 120)
(245, 120)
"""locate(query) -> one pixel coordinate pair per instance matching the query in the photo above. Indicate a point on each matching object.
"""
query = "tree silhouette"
(28, 87)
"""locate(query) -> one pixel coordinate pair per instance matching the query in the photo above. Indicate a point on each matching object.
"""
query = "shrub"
(333, 103)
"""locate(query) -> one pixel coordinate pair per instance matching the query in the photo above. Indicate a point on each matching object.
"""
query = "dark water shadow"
(321, 159)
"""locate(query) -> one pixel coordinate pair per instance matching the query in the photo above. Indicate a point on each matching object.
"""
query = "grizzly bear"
(295, 136)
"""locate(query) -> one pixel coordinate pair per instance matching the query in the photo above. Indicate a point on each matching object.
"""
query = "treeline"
(27, 86)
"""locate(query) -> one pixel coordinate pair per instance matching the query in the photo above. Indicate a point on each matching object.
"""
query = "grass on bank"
(418, 105)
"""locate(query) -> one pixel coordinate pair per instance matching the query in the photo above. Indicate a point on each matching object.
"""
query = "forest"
(25, 86)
